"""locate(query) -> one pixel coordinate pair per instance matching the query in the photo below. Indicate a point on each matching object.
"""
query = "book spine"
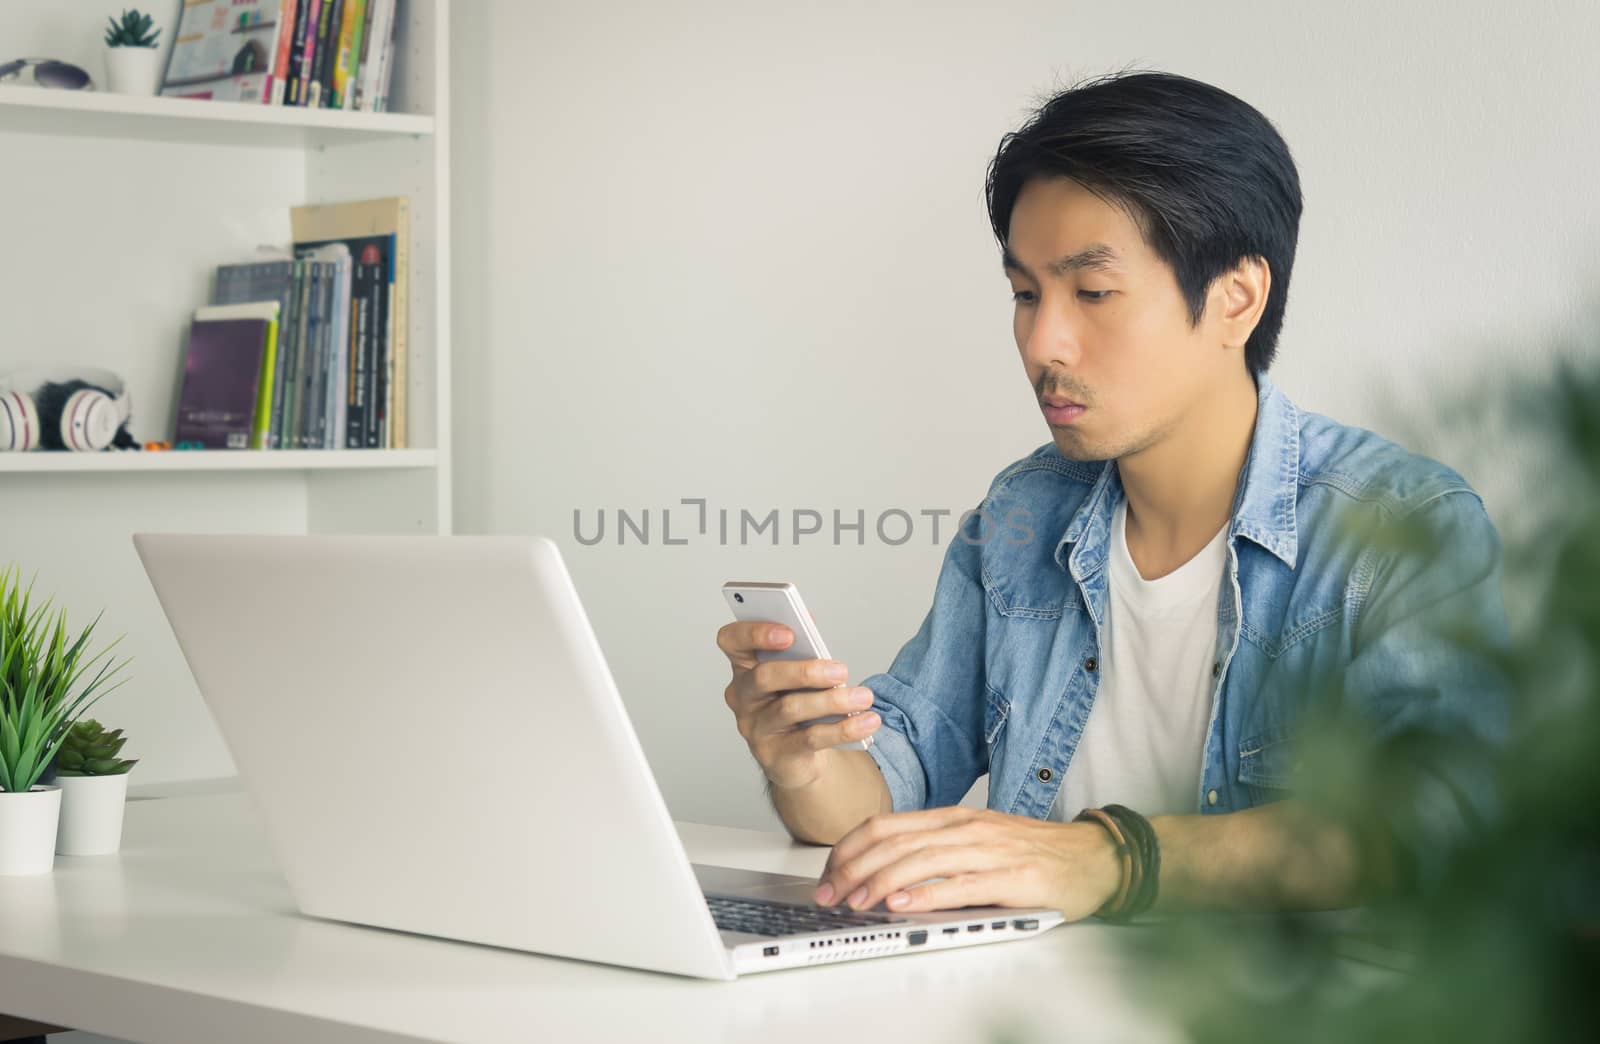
(302, 362)
(288, 316)
(336, 352)
(402, 334)
(318, 420)
(386, 74)
(347, 39)
(375, 361)
(297, 53)
(280, 67)
(358, 52)
(372, 61)
(363, 318)
(263, 411)
(327, 48)
(309, 39)
(341, 365)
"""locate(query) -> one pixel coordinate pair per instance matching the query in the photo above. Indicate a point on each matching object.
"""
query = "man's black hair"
(1204, 176)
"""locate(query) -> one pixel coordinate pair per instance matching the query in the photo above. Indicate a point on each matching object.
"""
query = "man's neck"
(1180, 490)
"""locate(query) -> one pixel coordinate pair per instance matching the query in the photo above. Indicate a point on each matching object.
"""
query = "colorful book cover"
(221, 382)
(280, 61)
(225, 50)
(327, 44)
(349, 33)
(309, 51)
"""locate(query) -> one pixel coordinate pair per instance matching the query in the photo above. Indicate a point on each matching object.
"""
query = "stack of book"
(327, 54)
(306, 350)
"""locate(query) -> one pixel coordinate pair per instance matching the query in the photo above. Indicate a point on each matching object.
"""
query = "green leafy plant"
(45, 682)
(132, 31)
(89, 750)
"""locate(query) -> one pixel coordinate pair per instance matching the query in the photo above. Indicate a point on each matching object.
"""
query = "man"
(1141, 611)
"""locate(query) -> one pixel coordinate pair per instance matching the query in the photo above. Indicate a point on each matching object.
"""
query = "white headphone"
(89, 418)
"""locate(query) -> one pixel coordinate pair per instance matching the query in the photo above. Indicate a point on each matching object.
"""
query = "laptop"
(436, 745)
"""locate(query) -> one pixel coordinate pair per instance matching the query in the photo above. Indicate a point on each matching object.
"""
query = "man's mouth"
(1060, 410)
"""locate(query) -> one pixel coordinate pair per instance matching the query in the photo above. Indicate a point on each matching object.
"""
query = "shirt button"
(1090, 664)
(1211, 797)
(1216, 669)
(1044, 777)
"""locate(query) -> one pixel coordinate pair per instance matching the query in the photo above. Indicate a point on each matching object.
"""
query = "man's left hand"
(986, 858)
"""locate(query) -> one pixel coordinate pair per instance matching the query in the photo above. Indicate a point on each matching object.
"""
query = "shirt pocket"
(996, 708)
(1267, 765)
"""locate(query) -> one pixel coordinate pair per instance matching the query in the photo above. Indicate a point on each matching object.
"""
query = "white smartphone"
(780, 603)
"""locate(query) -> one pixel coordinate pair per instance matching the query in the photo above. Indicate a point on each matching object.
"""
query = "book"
(332, 347)
(386, 71)
(280, 65)
(376, 231)
(221, 393)
(348, 32)
(358, 58)
(308, 57)
(266, 280)
(224, 50)
(297, 52)
(376, 40)
(326, 45)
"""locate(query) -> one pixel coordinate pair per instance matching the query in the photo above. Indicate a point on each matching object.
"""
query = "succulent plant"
(89, 750)
(132, 31)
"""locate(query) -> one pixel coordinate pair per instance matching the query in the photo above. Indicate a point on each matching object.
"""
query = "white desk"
(190, 934)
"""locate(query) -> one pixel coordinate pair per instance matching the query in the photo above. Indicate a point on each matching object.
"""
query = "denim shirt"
(1002, 673)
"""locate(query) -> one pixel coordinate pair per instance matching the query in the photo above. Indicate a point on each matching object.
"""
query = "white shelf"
(65, 462)
(99, 114)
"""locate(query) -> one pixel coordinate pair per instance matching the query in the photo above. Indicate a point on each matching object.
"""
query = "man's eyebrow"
(1096, 257)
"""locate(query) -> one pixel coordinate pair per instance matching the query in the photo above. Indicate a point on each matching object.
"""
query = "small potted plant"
(94, 789)
(132, 56)
(45, 685)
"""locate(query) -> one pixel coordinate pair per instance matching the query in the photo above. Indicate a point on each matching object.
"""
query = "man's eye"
(1026, 296)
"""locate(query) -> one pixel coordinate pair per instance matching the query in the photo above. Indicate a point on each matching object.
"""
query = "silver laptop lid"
(435, 742)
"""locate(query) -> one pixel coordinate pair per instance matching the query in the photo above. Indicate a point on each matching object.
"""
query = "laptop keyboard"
(765, 917)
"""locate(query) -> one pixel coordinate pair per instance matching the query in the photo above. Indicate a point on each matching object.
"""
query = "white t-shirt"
(1143, 742)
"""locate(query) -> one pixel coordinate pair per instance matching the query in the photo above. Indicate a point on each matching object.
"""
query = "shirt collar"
(1263, 506)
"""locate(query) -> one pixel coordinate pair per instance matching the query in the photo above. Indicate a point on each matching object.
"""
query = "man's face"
(1110, 333)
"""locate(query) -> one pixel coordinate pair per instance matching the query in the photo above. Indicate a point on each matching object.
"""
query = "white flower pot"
(28, 831)
(91, 814)
(133, 70)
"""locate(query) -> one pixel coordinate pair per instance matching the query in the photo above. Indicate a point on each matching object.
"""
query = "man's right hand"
(770, 699)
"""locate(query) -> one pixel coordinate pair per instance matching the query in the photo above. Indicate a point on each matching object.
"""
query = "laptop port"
(1025, 924)
(917, 938)
(974, 927)
(996, 926)
(769, 951)
(951, 930)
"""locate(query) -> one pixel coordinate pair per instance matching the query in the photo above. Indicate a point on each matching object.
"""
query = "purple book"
(216, 407)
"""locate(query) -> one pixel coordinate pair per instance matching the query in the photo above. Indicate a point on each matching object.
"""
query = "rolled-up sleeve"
(930, 747)
(1428, 675)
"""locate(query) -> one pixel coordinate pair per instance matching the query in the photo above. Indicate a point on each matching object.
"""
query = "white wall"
(710, 248)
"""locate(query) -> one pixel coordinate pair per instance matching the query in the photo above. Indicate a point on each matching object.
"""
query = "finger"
(947, 860)
(796, 707)
(777, 676)
(878, 828)
(844, 875)
(824, 735)
(979, 888)
(741, 639)
(755, 690)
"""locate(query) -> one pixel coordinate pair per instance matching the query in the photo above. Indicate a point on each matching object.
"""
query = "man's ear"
(1242, 296)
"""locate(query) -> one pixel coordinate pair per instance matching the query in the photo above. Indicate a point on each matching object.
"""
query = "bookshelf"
(117, 210)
